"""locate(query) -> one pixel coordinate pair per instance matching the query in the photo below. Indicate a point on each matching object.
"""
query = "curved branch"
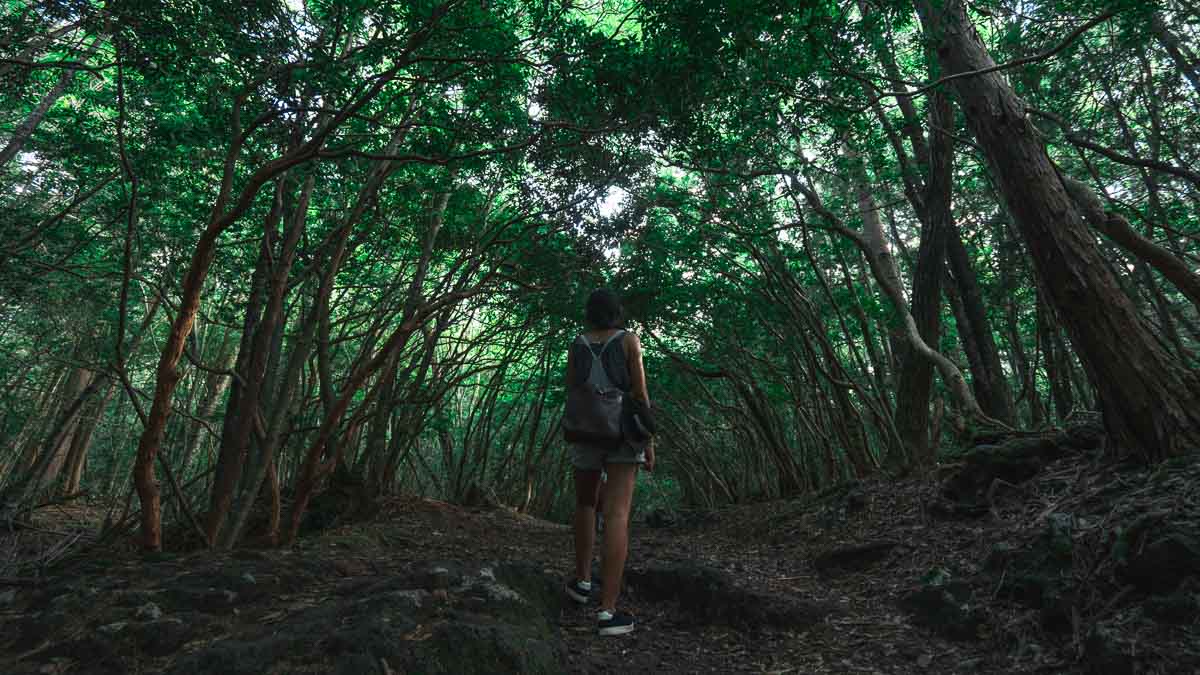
(1032, 58)
(1120, 158)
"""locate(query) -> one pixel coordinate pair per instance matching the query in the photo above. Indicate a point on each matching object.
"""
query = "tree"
(1151, 400)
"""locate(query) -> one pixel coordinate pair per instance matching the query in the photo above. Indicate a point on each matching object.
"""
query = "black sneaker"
(578, 593)
(609, 623)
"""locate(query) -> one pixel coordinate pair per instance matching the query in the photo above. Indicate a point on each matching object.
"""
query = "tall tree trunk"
(322, 454)
(879, 368)
(1150, 400)
(1010, 253)
(916, 374)
(1055, 356)
(235, 448)
(987, 376)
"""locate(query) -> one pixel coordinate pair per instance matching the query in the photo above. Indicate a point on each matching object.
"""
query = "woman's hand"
(650, 455)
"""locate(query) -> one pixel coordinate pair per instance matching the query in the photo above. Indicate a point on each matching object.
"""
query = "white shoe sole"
(581, 599)
(616, 630)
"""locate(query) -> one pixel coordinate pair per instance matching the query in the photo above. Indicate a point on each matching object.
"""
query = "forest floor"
(1053, 573)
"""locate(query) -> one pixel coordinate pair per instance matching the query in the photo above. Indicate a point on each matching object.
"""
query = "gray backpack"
(593, 411)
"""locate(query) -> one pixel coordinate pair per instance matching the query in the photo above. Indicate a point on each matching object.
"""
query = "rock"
(148, 612)
(208, 600)
(706, 595)
(1056, 611)
(1163, 564)
(1037, 575)
(856, 500)
(464, 646)
(1015, 461)
(491, 591)
(8, 597)
(990, 438)
(661, 518)
(252, 555)
(1104, 656)
(540, 589)
(494, 618)
(945, 610)
(134, 598)
(859, 557)
(1179, 608)
(1084, 435)
(413, 600)
(56, 666)
(1039, 589)
(248, 578)
(1001, 556)
(350, 568)
(163, 638)
(1058, 534)
(93, 649)
(113, 628)
(250, 654)
(437, 575)
(952, 510)
(1028, 590)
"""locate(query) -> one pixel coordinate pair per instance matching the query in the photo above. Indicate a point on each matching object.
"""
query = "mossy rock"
(1104, 654)
(1014, 462)
(1180, 608)
(469, 647)
(710, 596)
(351, 541)
(946, 610)
(1163, 564)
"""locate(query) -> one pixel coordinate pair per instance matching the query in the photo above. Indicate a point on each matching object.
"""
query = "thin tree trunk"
(950, 373)
(81, 443)
(991, 387)
(916, 374)
(1185, 62)
(235, 449)
(24, 131)
(214, 386)
(1117, 228)
(226, 212)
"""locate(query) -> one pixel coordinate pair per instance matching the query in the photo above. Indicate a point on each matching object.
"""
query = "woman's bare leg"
(618, 496)
(587, 488)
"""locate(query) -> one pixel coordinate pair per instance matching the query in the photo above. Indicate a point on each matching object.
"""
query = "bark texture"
(1150, 400)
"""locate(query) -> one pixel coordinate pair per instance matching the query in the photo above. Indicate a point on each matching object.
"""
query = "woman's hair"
(603, 310)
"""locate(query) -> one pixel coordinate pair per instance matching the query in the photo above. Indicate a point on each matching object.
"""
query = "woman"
(620, 354)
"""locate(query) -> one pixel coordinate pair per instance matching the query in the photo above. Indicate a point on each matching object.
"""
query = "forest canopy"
(253, 252)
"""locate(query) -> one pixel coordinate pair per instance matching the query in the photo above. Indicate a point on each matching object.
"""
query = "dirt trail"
(865, 579)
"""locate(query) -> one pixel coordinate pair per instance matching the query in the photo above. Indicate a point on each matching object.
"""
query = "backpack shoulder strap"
(612, 338)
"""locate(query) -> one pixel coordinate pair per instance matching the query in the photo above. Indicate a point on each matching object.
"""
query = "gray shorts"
(592, 458)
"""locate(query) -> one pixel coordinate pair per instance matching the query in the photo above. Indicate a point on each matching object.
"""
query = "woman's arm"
(637, 372)
(637, 376)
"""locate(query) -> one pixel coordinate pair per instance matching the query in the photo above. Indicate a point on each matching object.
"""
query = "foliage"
(487, 164)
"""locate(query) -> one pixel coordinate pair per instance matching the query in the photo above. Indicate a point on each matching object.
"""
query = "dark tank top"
(613, 359)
